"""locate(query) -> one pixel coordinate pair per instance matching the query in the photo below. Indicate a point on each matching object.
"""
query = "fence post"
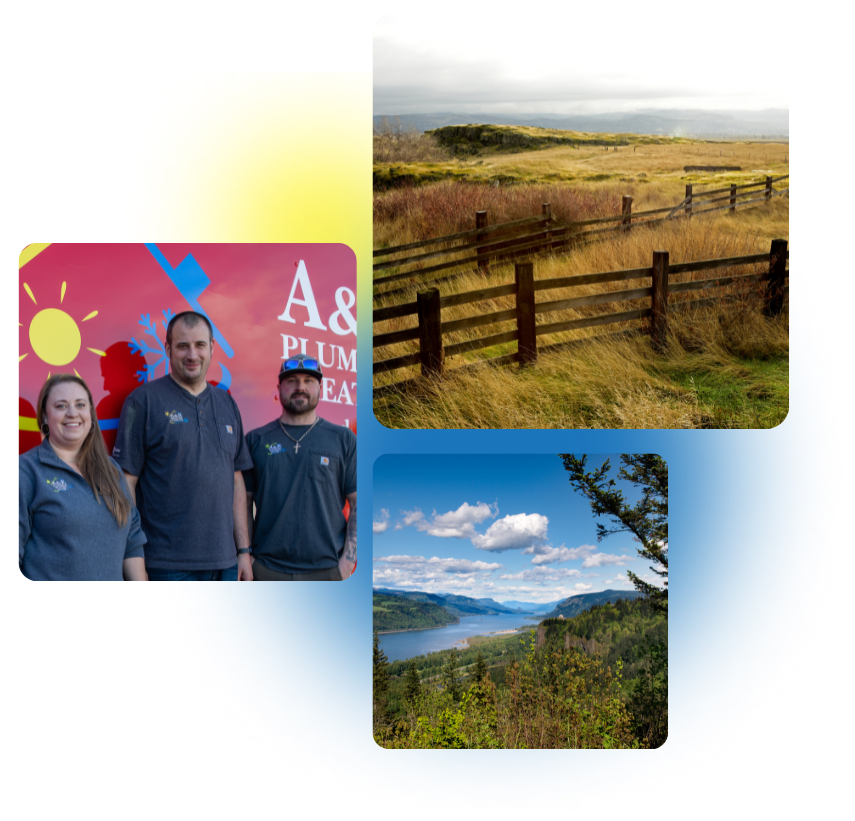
(626, 210)
(659, 321)
(430, 332)
(546, 211)
(481, 222)
(774, 297)
(689, 198)
(768, 189)
(733, 197)
(527, 344)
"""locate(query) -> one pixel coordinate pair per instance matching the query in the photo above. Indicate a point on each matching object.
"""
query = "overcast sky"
(494, 526)
(584, 61)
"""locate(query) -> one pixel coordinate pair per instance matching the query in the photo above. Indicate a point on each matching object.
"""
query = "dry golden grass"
(664, 163)
(618, 383)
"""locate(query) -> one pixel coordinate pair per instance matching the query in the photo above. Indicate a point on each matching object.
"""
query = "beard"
(300, 402)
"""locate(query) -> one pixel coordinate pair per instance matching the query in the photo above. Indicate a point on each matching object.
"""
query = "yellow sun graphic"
(54, 335)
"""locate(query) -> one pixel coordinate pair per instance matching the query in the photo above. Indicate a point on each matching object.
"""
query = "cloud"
(460, 523)
(513, 532)
(620, 578)
(455, 524)
(381, 523)
(434, 574)
(545, 554)
(603, 559)
(542, 575)
(410, 518)
(583, 588)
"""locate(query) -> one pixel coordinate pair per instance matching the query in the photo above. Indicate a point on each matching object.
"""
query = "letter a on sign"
(308, 301)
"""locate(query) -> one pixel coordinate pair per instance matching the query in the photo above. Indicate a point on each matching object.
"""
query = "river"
(399, 646)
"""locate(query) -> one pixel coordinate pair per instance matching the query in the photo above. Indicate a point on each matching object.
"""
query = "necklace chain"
(297, 441)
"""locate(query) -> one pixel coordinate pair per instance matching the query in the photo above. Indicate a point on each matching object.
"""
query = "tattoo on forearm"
(350, 539)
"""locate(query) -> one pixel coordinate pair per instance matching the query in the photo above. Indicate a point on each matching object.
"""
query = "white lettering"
(344, 301)
(344, 393)
(327, 389)
(308, 300)
(329, 364)
(288, 342)
(347, 362)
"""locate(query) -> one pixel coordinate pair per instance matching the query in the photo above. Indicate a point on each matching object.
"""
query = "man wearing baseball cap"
(304, 471)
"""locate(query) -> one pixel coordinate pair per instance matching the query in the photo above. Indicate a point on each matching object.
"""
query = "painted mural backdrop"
(101, 311)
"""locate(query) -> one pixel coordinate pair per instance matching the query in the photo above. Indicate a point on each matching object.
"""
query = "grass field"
(724, 366)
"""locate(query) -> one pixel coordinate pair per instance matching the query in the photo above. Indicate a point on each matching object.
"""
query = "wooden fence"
(522, 238)
(432, 354)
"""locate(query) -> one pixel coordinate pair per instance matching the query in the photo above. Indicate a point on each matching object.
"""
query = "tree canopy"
(647, 520)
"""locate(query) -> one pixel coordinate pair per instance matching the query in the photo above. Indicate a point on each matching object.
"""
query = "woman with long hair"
(76, 517)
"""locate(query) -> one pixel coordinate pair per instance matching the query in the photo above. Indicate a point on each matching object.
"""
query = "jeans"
(230, 574)
(260, 573)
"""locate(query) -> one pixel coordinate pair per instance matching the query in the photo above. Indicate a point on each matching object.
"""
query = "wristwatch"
(242, 550)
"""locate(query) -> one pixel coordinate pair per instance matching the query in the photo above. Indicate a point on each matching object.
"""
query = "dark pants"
(260, 573)
(230, 574)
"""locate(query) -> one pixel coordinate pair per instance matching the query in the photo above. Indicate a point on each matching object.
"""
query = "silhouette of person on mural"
(27, 439)
(119, 369)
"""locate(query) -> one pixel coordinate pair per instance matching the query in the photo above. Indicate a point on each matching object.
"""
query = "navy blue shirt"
(300, 494)
(64, 532)
(185, 450)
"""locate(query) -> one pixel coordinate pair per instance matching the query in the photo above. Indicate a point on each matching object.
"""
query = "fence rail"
(522, 238)
(432, 353)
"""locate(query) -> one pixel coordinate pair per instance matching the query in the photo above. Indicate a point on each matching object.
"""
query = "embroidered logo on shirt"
(59, 485)
(229, 428)
(175, 417)
(325, 460)
(275, 447)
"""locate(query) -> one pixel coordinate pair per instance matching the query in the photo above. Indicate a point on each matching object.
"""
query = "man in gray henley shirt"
(180, 443)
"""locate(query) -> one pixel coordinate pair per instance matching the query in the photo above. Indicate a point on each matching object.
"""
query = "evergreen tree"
(480, 668)
(451, 676)
(647, 520)
(381, 685)
(413, 688)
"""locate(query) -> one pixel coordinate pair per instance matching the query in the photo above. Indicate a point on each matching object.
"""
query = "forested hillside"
(398, 613)
(596, 680)
(458, 605)
(583, 601)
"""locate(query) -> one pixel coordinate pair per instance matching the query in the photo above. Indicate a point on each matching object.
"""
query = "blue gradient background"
(248, 702)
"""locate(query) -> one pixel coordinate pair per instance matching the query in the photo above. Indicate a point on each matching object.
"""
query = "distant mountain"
(773, 123)
(532, 607)
(585, 601)
(457, 605)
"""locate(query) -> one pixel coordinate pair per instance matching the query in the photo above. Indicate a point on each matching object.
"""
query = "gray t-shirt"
(300, 496)
(63, 530)
(185, 449)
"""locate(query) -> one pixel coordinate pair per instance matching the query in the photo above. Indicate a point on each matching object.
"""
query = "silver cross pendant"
(296, 446)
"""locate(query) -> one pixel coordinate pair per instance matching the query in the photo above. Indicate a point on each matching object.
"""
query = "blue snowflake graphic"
(160, 351)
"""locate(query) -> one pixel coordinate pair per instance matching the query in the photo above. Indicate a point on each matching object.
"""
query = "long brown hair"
(93, 460)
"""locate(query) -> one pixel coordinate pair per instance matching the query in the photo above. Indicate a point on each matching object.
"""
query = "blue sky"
(507, 527)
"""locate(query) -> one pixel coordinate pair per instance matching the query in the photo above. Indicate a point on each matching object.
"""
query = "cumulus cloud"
(455, 524)
(460, 523)
(381, 523)
(583, 588)
(603, 559)
(411, 517)
(513, 532)
(545, 554)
